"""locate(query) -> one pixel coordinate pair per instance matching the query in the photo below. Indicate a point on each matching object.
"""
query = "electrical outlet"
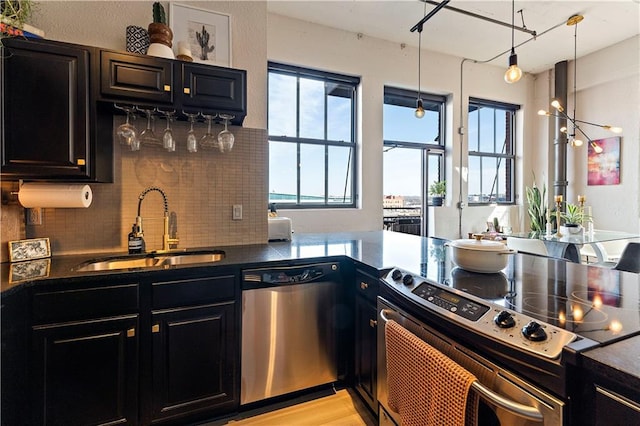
(34, 216)
(237, 212)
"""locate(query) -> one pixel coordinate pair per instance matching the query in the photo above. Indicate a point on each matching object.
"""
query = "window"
(312, 138)
(413, 156)
(491, 152)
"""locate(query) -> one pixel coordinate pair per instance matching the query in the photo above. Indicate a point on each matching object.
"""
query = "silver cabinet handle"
(521, 410)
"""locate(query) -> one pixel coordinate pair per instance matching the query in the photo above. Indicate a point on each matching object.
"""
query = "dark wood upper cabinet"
(128, 77)
(205, 87)
(166, 83)
(50, 129)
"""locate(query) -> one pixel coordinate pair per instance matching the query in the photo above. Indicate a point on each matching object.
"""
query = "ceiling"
(605, 23)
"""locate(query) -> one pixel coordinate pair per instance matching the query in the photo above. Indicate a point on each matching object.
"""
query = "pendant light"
(573, 140)
(419, 109)
(513, 73)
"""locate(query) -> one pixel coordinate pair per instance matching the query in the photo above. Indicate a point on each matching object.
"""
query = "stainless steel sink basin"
(151, 260)
(186, 259)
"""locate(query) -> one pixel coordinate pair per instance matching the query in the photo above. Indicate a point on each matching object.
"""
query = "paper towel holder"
(67, 195)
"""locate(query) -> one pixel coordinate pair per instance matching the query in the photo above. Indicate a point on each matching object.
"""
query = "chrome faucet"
(168, 241)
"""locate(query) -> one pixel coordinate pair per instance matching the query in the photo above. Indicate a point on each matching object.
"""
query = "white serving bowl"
(479, 255)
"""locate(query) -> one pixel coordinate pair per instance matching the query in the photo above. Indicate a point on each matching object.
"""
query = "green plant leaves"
(537, 207)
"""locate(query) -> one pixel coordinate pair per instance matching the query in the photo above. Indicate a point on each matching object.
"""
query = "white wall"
(381, 63)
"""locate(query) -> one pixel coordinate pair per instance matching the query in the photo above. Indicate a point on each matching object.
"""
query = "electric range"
(533, 318)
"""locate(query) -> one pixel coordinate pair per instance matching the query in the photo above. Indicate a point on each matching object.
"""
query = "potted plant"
(13, 16)
(437, 190)
(537, 207)
(160, 34)
(573, 217)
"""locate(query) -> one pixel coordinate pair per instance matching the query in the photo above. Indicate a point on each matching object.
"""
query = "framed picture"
(36, 248)
(208, 33)
(24, 271)
(603, 168)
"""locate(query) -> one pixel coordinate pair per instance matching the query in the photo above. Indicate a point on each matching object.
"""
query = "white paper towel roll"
(55, 195)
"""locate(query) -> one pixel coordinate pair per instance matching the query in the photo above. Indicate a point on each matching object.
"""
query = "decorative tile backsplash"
(201, 189)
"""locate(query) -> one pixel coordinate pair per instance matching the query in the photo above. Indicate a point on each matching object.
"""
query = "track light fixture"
(573, 140)
(513, 73)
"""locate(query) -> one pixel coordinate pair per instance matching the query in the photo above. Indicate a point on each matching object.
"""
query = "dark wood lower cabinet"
(85, 373)
(365, 352)
(193, 360)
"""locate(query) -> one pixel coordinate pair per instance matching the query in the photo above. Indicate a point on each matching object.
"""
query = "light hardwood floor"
(343, 408)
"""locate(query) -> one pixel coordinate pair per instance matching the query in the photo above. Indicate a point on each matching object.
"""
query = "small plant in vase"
(437, 190)
(160, 33)
(573, 217)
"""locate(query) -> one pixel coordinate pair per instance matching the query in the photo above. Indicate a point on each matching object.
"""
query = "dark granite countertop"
(378, 249)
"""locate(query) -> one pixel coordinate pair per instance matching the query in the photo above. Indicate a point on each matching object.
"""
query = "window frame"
(331, 78)
(407, 98)
(510, 133)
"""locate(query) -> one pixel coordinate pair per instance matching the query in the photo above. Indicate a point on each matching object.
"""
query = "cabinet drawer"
(189, 292)
(95, 302)
(366, 285)
(136, 79)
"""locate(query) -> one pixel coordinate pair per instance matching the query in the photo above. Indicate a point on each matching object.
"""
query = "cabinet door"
(214, 89)
(46, 116)
(194, 360)
(135, 79)
(614, 409)
(366, 352)
(86, 372)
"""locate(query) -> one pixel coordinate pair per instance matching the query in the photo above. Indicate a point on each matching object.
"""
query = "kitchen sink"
(151, 260)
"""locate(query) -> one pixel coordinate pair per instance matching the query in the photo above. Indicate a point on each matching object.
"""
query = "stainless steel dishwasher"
(288, 329)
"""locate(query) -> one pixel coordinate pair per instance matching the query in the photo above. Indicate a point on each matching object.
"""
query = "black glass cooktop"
(597, 303)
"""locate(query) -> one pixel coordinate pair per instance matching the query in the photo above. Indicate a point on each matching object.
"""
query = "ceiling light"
(513, 73)
(555, 103)
(419, 109)
(419, 113)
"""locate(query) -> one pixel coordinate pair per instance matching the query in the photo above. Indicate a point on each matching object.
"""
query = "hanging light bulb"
(597, 148)
(419, 113)
(513, 73)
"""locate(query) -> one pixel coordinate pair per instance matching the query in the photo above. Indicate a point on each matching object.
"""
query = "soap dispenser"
(136, 242)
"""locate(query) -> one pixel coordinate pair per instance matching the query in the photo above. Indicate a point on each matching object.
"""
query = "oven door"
(505, 399)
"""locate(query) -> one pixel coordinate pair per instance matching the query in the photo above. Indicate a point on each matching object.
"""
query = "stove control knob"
(504, 320)
(396, 274)
(407, 280)
(534, 332)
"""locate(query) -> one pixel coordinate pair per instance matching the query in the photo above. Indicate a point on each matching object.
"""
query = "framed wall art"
(207, 33)
(36, 248)
(604, 168)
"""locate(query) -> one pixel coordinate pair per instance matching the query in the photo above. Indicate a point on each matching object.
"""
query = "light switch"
(237, 212)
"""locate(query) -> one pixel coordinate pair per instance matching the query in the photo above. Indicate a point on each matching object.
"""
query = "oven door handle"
(521, 410)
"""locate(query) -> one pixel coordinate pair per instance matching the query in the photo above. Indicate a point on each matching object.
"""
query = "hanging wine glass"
(147, 136)
(127, 133)
(192, 141)
(209, 140)
(168, 141)
(225, 137)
